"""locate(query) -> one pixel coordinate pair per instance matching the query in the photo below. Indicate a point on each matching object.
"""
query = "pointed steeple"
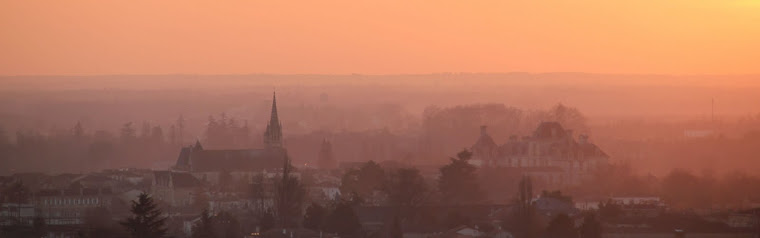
(273, 134)
(273, 119)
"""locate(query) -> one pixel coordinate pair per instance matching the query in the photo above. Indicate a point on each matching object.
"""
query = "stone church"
(208, 164)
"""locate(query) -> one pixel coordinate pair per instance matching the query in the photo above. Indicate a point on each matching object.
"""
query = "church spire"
(273, 134)
(273, 117)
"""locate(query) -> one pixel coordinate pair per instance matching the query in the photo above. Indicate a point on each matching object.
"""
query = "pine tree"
(78, 130)
(146, 220)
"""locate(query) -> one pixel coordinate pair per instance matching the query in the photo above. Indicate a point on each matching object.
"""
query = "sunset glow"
(379, 37)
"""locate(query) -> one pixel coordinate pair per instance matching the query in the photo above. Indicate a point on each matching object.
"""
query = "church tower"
(273, 134)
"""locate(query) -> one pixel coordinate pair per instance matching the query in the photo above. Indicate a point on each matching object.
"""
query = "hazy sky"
(379, 37)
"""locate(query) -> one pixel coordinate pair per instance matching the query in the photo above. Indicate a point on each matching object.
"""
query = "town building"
(175, 188)
(551, 154)
(207, 164)
(69, 206)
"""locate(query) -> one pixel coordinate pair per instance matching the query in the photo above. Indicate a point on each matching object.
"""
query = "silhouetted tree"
(127, 133)
(145, 130)
(258, 192)
(78, 130)
(146, 220)
(522, 220)
(343, 221)
(591, 227)
(406, 190)
(569, 117)
(157, 134)
(679, 188)
(314, 217)
(561, 227)
(289, 196)
(363, 181)
(458, 183)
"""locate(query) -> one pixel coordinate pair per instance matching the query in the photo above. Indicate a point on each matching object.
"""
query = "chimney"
(483, 130)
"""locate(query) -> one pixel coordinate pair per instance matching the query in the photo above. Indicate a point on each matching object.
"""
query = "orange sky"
(76, 37)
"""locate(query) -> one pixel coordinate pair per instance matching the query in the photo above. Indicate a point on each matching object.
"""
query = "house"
(69, 206)
(551, 154)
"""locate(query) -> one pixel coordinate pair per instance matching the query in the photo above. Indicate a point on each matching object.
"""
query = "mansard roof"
(549, 130)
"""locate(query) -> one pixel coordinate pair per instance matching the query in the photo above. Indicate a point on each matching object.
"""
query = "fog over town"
(380, 119)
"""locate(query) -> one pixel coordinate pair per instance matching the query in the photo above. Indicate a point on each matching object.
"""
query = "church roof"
(236, 160)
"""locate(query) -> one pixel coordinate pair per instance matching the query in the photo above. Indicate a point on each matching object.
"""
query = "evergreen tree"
(78, 130)
(314, 217)
(145, 130)
(458, 183)
(343, 221)
(146, 220)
